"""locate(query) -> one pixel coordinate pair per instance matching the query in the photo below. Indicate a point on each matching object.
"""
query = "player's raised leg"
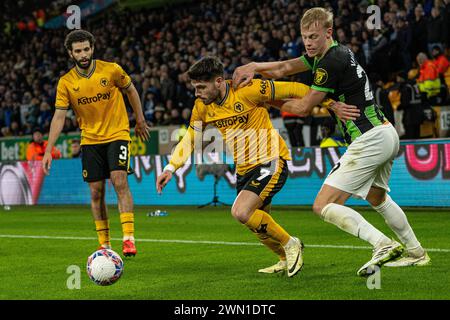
(396, 219)
(99, 213)
(264, 226)
(125, 202)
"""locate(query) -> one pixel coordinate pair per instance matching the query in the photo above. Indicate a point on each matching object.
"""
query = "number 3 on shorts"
(123, 153)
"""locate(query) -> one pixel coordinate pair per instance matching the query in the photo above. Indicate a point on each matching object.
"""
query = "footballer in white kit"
(365, 168)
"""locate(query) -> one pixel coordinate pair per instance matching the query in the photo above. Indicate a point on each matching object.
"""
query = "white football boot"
(381, 256)
(294, 256)
(409, 261)
(280, 266)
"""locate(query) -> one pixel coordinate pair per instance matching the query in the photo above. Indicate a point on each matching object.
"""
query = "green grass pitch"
(205, 254)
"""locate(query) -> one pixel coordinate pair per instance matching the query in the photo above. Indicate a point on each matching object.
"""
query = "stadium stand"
(158, 47)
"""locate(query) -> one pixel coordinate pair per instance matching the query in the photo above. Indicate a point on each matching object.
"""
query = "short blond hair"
(319, 16)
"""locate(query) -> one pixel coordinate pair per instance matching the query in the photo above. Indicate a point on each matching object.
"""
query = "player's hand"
(142, 130)
(47, 163)
(162, 180)
(345, 111)
(243, 75)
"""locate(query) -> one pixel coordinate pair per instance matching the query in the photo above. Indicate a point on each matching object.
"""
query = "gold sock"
(273, 245)
(261, 222)
(127, 220)
(102, 228)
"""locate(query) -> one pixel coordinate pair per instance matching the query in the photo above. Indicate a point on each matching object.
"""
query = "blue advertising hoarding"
(420, 177)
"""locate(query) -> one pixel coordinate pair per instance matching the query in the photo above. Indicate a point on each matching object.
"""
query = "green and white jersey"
(339, 74)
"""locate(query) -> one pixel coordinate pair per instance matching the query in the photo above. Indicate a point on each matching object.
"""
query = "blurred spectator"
(273, 43)
(329, 136)
(68, 126)
(158, 116)
(359, 55)
(445, 8)
(6, 132)
(435, 30)
(440, 60)
(32, 113)
(36, 148)
(185, 92)
(45, 116)
(290, 46)
(442, 66)
(428, 80)
(381, 96)
(341, 36)
(75, 123)
(419, 31)
(15, 129)
(411, 103)
(167, 84)
(175, 117)
(403, 43)
(379, 54)
(366, 47)
(294, 127)
(149, 105)
(186, 116)
(76, 148)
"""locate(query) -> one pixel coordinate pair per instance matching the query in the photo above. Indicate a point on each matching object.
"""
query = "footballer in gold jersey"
(93, 90)
(259, 152)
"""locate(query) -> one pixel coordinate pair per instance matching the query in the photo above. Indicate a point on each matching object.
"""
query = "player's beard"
(214, 98)
(83, 64)
(209, 101)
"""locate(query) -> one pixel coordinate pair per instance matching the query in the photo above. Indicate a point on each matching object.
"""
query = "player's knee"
(120, 184)
(376, 200)
(97, 194)
(235, 212)
(318, 207)
(239, 214)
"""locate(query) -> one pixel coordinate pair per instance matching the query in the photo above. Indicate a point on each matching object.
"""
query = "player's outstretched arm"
(56, 127)
(179, 156)
(304, 106)
(272, 70)
(142, 130)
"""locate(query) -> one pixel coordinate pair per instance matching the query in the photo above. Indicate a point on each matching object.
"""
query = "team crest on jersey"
(104, 82)
(211, 114)
(85, 173)
(238, 107)
(320, 77)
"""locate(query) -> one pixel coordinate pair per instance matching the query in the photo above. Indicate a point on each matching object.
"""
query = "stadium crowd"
(156, 47)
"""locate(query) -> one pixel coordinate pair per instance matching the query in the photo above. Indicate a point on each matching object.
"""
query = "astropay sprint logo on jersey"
(242, 146)
(96, 98)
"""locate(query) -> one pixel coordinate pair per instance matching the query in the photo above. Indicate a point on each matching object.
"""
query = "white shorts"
(367, 162)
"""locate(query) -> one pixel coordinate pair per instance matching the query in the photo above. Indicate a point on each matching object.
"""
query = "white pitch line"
(326, 246)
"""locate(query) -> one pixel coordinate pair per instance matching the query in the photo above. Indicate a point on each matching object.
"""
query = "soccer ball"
(104, 267)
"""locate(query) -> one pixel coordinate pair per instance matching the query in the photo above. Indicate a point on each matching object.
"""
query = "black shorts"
(100, 159)
(265, 180)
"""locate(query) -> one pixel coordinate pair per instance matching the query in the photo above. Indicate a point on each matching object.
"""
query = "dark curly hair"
(78, 36)
(206, 69)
